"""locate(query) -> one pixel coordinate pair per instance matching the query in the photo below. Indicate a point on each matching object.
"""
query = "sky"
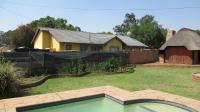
(100, 15)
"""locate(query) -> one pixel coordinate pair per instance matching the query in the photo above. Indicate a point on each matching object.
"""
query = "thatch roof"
(184, 37)
(67, 36)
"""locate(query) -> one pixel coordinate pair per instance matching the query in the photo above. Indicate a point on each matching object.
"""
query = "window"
(114, 48)
(68, 47)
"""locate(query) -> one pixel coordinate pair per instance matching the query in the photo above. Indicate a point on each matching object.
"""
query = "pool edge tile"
(10, 105)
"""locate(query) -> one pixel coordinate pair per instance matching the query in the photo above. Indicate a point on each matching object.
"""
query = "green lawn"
(173, 80)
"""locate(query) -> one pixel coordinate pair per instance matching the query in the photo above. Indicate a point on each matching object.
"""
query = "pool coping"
(10, 105)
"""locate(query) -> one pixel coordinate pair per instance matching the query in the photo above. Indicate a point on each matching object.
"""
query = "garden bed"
(28, 80)
(40, 80)
(76, 75)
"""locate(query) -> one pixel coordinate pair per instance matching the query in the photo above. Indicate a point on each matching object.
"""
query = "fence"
(41, 62)
(143, 56)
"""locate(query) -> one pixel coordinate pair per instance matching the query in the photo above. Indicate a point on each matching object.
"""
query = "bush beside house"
(9, 87)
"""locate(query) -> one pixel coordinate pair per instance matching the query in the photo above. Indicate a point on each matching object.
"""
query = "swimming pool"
(108, 104)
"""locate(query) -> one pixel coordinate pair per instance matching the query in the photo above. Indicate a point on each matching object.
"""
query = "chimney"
(170, 33)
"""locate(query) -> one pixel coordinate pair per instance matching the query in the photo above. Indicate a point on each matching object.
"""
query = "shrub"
(8, 82)
(2, 59)
(111, 65)
(130, 70)
(63, 68)
(76, 66)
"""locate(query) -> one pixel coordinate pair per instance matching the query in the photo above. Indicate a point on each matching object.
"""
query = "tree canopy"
(145, 29)
(106, 33)
(4, 39)
(23, 34)
(51, 22)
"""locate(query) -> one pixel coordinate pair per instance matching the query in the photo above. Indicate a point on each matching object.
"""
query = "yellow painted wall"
(38, 44)
(113, 42)
(62, 46)
(45, 40)
(55, 45)
(75, 46)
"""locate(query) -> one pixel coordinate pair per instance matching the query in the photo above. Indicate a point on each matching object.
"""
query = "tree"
(146, 30)
(129, 19)
(127, 23)
(3, 39)
(51, 22)
(147, 19)
(106, 33)
(119, 30)
(23, 35)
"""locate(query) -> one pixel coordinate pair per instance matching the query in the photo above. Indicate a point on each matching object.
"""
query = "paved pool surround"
(10, 105)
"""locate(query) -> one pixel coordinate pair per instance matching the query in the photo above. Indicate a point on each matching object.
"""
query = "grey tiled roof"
(185, 37)
(88, 38)
(131, 41)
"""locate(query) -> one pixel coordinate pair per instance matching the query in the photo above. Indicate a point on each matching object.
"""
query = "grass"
(173, 80)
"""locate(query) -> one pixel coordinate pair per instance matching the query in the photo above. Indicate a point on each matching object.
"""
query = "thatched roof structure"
(184, 37)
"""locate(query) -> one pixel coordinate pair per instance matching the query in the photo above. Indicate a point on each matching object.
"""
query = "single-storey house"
(64, 40)
(182, 48)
